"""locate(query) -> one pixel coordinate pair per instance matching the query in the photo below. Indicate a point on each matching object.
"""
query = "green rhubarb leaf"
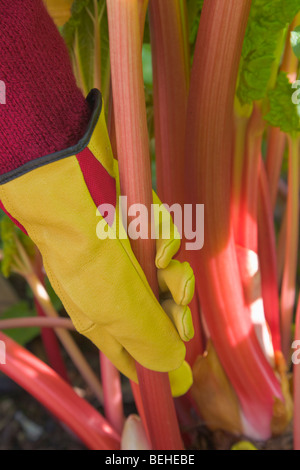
(79, 35)
(194, 8)
(284, 106)
(295, 41)
(263, 45)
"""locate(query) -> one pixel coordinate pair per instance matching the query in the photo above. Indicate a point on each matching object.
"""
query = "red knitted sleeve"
(44, 112)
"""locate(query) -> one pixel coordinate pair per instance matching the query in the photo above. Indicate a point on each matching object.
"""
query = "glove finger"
(113, 350)
(181, 317)
(103, 340)
(168, 239)
(178, 279)
(165, 251)
(151, 338)
(181, 380)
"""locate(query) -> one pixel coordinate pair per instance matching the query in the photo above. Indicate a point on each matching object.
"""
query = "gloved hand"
(100, 282)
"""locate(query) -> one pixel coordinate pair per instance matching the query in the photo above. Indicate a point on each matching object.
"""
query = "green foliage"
(20, 335)
(194, 12)
(68, 30)
(295, 41)
(8, 244)
(79, 35)
(147, 65)
(9, 234)
(284, 113)
(263, 44)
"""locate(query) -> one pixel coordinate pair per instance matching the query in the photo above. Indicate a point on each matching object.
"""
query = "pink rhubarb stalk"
(39, 322)
(246, 224)
(208, 181)
(274, 158)
(135, 177)
(171, 78)
(288, 288)
(268, 260)
(171, 87)
(58, 397)
(112, 394)
(296, 380)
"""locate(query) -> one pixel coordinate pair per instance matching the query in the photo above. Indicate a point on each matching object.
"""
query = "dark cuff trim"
(94, 100)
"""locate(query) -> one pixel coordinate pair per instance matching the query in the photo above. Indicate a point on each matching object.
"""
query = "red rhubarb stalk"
(208, 181)
(281, 244)
(246, 230)
(112, 394)
(171, 77)
(268, 260)
(296, 380)
(135, 177)
(58, 397)
(170, 87)
(275, 151)
(288, 288)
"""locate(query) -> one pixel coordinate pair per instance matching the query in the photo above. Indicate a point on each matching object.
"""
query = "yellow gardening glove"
(100, 282)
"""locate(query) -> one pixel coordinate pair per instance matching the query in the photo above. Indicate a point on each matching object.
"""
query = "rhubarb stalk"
(268, 260)
(135, 178)
(208, 181)
(246, 227)
(112, 394)
(171, 79)
(58, 397)
(40, 322)
(275, 151)
(288, 288)
(171, 87)
(296, 379)
(142, 5)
